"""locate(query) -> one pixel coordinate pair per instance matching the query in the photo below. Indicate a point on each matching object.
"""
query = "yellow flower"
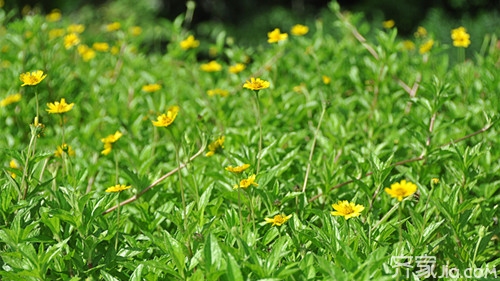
(85, 52)
(388, 24)
(299, 30)
(55, 33)
(426, 47)
(237, 68)
(165, 120)
(118, 188)
(220, 92)
(238, 169)
(278, 219)
(347, 209)
(71, 40)
(100, 46)
(212, 66)
(421, 32)
(215, 146)
(113, 26)
(245, 183)
(64, 148)
(32, 78)
(76, 28)
(108, 142)
(401, 189)
(136, 30)
(434, 180)
(460, 37)
(107, 148)
(59, 107)
(326, 79)
(10, 99)
(13, 165)
(408, 45)
(276, 36)
(256, 84)
(112, 138)
(55, 15)
(114, 50)
(299, 88)
(150, 88)
(189, 43)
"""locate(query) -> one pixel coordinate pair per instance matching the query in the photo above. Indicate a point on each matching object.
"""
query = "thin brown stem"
(431, 128)
(357, 35)
(155, 183)
(415, 159)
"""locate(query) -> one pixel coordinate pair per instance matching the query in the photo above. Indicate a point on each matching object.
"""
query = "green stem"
(36, 100)
(312, 148)
(239, 211)
(117, 223)
(31, 147)
(259, 124)
(116, 168)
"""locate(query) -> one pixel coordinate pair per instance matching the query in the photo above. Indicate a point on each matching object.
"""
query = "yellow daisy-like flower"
(64, 148)
(212, 66)
(237, 169)
(150, 88)
(388, 24)
(112, 138)
(85, 52)
(421, 32)
(278, 219)
(237, 68)
(118, 188)
(460, 37)
(408, 45)
(165, 120)
(108, 147)
(256, 84)
(215, 146)
(401, 189)
(33, 78)
(55, 15)
(220, 92)
(101, 46)
(434, 180)
(59, 107)
(114, 26)
(76, 28)
(135, 30)
(276, 36)
(347, 209)
(13, 165)
(299, 30)
(56, 33)
(326, 80)
(10, 99)
(189, 43)
(245, 183)
(426, 47)
(71, 40)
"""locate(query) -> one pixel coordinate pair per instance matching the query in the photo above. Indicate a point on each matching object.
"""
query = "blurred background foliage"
(407, 14)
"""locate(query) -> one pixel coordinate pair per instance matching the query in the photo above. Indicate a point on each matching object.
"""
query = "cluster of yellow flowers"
(109, 141)
(459, 36)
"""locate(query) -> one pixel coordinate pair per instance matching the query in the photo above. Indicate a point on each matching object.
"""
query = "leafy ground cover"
(319, 153)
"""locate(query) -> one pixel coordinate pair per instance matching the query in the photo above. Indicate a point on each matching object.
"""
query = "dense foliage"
(330, 151)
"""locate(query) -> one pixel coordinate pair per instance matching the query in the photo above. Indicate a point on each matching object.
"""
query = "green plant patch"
(327, 150)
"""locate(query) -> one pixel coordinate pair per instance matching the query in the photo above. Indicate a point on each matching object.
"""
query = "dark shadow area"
(407, 14)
